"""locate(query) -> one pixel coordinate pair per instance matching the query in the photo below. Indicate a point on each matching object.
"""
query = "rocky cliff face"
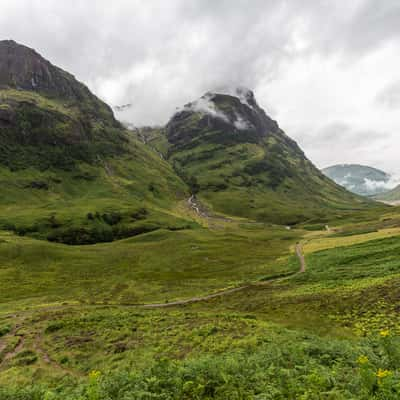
(23, 68)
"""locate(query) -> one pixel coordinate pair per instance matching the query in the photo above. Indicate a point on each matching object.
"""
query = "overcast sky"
(327, 71)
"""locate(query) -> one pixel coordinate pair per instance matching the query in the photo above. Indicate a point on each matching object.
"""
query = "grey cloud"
(390, 95)
(339, 142)
(338, 134)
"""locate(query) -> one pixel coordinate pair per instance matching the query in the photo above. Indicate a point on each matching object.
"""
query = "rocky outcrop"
(23, 68)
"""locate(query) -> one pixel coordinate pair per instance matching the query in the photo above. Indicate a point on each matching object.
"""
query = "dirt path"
(8, 355)
(11, 354)
(38, 346)
(38, 341)
(300, 256)
(3, 343)
(195, 299)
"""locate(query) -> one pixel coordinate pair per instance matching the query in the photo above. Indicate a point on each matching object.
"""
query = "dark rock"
(37, 185)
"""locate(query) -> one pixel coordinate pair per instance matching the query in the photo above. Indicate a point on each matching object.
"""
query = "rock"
(37, 185)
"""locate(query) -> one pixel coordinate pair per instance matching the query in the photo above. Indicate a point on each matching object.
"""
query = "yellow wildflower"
(362, 360)
(94, 375)
(383, 373)
(384, 333)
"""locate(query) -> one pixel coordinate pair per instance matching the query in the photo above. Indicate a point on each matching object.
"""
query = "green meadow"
(75, 326)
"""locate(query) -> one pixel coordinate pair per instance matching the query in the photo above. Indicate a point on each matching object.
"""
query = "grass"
(211, 349)
(156, 267)
(179, 355)
(338, 281)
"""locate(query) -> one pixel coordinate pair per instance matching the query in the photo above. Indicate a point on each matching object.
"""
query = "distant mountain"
(360, 179)
(239, 161)
(390, 197)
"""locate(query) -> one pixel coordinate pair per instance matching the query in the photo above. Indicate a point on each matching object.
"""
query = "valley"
(205, 259)
(344, 299)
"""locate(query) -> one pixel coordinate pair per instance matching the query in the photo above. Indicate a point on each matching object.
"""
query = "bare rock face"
(23, 68)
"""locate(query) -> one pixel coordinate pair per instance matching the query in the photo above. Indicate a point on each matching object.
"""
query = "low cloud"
(375, 186)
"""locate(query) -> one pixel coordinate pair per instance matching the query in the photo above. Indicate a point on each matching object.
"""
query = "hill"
(68, 169)
(359, 179)
(239, 162)
(392, 196)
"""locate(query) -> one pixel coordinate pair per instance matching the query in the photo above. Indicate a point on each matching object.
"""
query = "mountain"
(391, 197)
(69, 171)
(360, 179)
(47, 117)
(239, 162)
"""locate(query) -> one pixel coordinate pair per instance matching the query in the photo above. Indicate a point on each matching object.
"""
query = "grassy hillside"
(113, 198)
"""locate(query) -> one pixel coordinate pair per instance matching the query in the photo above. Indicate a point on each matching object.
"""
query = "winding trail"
(38, 346)
(11, 354)
(5, 356)
(196, 299)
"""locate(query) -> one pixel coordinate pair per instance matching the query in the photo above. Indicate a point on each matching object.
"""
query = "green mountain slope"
(69, 171)
(359, 179)
(241, 163)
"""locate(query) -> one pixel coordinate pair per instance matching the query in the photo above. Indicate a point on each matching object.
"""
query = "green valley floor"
(229, 309)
